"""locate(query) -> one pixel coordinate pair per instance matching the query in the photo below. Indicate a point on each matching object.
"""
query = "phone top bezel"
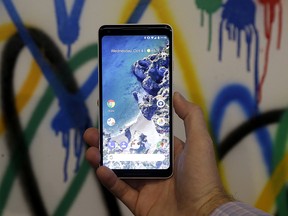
(139, 29)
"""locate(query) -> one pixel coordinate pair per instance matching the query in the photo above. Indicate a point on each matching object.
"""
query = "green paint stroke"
(279, 152)
(210, 7)
(10, 174)
(73, 190)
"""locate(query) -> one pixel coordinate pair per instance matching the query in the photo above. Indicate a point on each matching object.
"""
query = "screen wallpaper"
(135, 94)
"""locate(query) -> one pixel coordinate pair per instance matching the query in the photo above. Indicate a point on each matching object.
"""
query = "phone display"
(135, 63)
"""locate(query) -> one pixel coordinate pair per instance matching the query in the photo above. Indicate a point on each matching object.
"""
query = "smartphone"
(135, 94)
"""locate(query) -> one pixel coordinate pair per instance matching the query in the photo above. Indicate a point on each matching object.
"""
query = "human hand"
(194, 189)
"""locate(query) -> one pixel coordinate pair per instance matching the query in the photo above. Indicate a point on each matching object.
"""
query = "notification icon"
(111, 103)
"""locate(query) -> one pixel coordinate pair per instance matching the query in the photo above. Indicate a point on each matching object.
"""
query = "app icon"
(111, 103)
(123, 145)
(111, 144)
(111, 121)
(160, 103)
(161, 121)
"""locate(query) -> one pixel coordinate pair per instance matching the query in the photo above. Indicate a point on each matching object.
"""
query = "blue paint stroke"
(88, 87)
(73, 113)
(68, 25)
(239, 16)
(138, 11)
(236, 93)
(90, 84)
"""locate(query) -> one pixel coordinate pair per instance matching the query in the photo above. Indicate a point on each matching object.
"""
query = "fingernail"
(178, 94)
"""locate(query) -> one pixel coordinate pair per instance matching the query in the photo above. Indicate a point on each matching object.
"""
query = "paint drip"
(238, 16)
(210, 7)
(73, 115)
(269, 19)
(68, 25)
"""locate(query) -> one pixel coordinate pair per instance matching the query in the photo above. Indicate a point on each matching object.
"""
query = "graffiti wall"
(230, 57)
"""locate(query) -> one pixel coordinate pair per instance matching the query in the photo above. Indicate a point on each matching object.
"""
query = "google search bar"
(136, 157)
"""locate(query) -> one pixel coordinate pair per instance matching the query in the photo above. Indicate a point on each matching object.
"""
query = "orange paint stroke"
(6, 30)
(129, 7)
(26, 91)
(273, 186)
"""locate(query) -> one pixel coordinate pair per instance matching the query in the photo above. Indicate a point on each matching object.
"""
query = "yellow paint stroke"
(6, 30)
(26, 91)
(127, 10)
(273, 187)
(190, 77)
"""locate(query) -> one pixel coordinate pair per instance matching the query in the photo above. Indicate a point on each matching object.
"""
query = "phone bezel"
(131, 29)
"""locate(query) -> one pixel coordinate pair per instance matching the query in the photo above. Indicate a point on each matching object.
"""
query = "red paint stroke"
(269, 18)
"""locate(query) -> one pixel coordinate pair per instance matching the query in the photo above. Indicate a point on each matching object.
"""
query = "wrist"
(215, 199)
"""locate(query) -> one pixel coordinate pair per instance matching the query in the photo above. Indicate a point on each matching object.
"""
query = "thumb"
(192, 115)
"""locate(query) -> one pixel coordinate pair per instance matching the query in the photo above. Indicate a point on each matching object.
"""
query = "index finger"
(91, 137)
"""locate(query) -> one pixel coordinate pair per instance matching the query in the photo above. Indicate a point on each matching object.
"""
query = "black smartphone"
(135, 94)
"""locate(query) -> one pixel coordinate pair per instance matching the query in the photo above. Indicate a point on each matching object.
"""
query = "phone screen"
(135, 93)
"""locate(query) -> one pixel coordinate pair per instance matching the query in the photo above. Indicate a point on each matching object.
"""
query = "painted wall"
(230, 58)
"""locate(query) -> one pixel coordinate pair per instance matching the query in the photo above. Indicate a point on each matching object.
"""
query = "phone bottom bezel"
(144, 174)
